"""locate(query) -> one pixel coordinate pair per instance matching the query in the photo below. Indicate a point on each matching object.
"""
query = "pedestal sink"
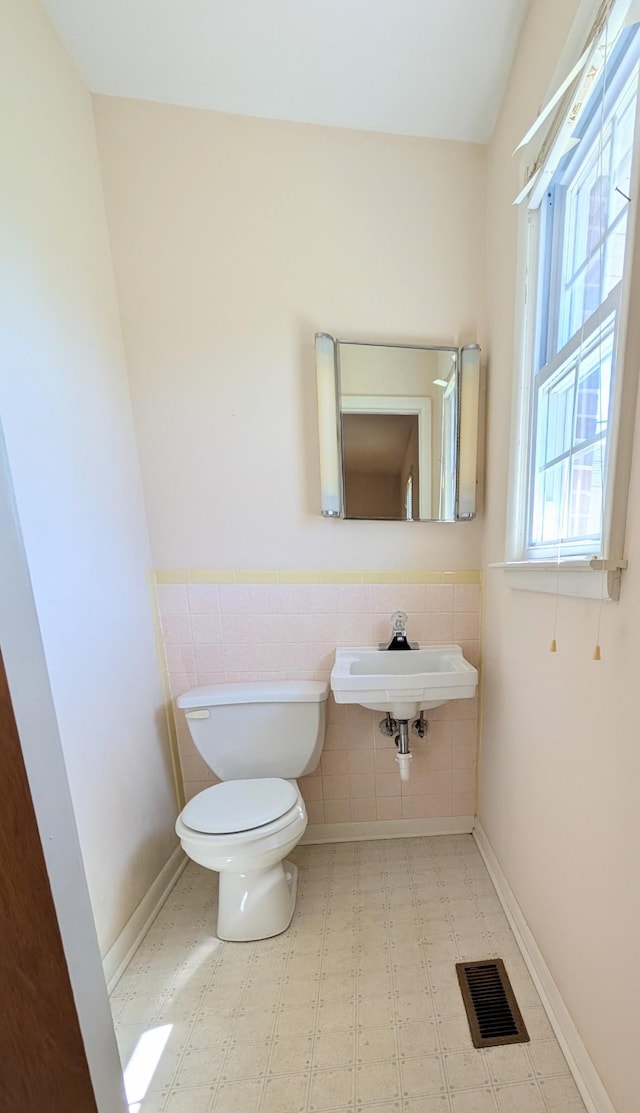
(403, 683)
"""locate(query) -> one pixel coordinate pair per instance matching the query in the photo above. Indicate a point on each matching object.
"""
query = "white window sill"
(570, 577)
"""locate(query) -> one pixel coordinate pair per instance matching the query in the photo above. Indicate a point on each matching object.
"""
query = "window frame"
(594, 575)
(575, 351)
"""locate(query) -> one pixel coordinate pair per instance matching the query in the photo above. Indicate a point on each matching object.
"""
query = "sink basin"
(404, 683)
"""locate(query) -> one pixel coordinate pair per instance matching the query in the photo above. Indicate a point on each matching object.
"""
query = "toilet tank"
(264, 729)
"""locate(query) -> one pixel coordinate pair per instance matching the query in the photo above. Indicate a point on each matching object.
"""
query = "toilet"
(257, 738)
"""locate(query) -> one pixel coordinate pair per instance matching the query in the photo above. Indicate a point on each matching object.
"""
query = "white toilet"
(257, 738)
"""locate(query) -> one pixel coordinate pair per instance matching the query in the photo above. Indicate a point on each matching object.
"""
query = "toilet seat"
(233, 807)
(257, 886)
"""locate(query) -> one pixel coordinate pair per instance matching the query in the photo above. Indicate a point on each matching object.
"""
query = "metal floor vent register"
(492, 1010)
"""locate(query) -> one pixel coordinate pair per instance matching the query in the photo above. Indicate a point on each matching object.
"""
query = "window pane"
(585, 502)
(592, 408)
(594, 216)
(587, 212)
(557, 399)
(568, 499)
(550, 504)
(614, 256)
(573, 408)
(623, 144)
(408, 499)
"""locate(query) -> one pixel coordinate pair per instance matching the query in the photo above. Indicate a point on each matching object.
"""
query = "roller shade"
(572, 96)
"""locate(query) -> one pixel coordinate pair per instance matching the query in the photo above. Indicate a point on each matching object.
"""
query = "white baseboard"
(121, 952)
(387, 829)
(580, 1064)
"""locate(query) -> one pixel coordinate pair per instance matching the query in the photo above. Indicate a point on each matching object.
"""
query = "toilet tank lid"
(264, 691)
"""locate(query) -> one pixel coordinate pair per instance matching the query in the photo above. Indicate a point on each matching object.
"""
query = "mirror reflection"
(398, 424)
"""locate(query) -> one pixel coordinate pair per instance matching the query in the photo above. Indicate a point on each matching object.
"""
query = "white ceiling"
(416, 67)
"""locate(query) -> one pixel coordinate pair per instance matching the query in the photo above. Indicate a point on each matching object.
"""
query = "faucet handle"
(399, 632)
(399, 621)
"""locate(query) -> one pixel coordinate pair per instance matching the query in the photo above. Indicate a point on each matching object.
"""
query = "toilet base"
(256, 904)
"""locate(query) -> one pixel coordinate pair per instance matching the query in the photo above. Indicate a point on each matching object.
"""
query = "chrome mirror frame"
(469, 413)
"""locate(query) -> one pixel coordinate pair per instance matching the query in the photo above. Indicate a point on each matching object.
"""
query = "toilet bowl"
(257, 892)
(244, 827)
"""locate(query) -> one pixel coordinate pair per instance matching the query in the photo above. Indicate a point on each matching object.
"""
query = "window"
(579, 249)
(408, 498)
(579, 351)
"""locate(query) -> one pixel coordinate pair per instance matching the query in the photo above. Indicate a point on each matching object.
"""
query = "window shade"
(573, 94)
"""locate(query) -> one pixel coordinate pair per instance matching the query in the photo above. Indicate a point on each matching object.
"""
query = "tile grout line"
(312, 1067)
(237, 1013)
(490, 1082)
(427, 964)
(166, 998)
(209, 910)
(393, 983)
(272, 1040)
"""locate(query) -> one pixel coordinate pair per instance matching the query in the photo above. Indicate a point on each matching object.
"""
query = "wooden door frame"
(44, 1060)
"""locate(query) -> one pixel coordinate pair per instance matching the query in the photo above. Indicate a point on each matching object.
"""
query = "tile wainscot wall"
(221, 627)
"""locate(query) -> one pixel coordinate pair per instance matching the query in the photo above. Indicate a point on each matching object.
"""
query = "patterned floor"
(355, 1007)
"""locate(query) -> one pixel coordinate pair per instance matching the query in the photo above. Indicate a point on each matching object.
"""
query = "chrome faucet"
(399, 634)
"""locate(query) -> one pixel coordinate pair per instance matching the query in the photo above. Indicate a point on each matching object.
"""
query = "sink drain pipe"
(399, 728)
(403, 756)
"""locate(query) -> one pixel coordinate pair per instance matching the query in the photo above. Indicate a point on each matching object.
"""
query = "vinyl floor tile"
(355, 1008)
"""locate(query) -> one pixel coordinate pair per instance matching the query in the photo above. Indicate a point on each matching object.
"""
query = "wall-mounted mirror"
(398, 430)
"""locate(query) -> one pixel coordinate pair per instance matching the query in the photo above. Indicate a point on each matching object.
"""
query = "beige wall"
(234, 240)
(560, 756)
(367, 369)
(65, 408)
